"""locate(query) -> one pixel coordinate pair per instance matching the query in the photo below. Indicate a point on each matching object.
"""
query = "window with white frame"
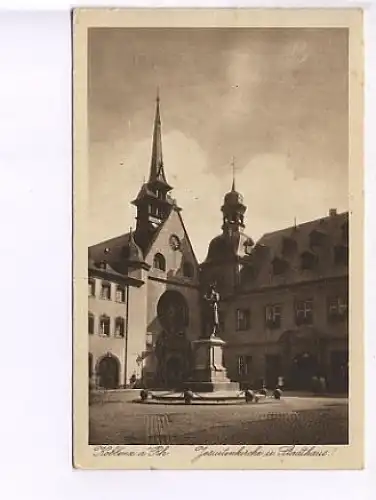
(119, 327)
(106, 291)
(104, 325)
(243, 319)
(337, 308)
(120, 293)
(273, 315)
(304, 312)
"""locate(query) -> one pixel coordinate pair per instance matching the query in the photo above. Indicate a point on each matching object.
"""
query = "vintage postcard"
(218, 236)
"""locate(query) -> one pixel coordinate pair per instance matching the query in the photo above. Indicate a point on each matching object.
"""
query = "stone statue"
(212, 299)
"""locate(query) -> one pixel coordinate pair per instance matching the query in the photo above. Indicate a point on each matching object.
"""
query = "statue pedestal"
(209, 374)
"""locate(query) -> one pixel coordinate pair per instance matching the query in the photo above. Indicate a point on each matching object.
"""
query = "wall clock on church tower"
(174, 242)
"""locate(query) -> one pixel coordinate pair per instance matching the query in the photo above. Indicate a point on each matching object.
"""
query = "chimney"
(332, 212)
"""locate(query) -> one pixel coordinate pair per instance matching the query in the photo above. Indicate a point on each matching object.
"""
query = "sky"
(274, 99)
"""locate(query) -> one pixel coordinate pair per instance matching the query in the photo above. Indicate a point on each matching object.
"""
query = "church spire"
(233, 174)
(153, 201)
(156, 168)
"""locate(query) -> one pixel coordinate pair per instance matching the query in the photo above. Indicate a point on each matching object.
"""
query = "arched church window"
(187, 270)
(159, 262)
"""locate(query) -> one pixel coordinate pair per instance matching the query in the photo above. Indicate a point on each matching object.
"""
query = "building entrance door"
(303, 369)
(108, 372)
(272, 370)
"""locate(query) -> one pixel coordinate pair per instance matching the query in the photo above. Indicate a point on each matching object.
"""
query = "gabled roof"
(109, 250)
(116, 252)
(104, 270)
(270, 246)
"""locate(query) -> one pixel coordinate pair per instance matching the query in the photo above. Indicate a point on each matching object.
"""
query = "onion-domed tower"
(233, 210)
(227, 251)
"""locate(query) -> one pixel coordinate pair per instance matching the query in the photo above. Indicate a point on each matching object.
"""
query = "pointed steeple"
(156, 168)
(233, 174)
(153, 201)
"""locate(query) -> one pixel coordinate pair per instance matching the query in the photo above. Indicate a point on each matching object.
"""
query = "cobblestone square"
(292, 420)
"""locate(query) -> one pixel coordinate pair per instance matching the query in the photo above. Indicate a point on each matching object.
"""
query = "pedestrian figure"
(133, 380)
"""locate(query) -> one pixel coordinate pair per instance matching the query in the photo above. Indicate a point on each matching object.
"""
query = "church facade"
(283, 311)
(144, 305)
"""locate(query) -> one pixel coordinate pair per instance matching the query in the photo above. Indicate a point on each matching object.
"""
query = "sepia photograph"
(218, 232)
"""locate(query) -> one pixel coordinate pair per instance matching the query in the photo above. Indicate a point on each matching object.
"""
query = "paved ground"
(288, 421)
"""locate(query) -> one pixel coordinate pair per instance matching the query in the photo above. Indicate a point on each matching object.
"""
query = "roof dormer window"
(316, 238)
(248, 246)
(308, 260)
(279, 265)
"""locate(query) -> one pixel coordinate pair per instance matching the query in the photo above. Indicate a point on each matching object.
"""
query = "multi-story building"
(284, 300)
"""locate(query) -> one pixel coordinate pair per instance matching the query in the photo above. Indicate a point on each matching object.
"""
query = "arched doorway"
(304, 367)
(108, 371)
(172, 311)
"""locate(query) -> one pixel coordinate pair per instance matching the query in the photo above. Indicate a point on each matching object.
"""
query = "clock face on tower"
(174, 242)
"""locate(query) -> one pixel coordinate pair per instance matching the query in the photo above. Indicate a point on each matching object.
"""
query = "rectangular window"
(104, 326)
(273, 315)
(91, 324)
(304, 312)
(244, 365)
(119, 327)
(106, 291)
(337, 308)
(243, 319)
(120, 294)
(91, 287)
(241, 365)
